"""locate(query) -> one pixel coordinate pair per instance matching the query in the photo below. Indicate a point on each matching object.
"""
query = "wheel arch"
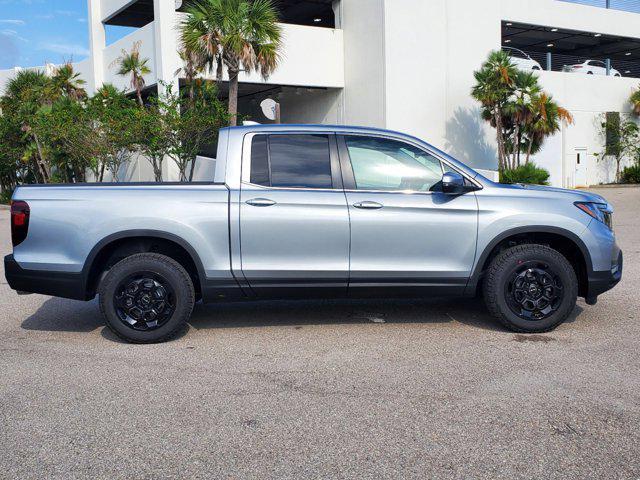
(129, 242)
(562, 240)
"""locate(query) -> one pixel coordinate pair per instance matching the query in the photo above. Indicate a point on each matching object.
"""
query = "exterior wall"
(362, 22)
(145, 36)
(577, 93)
(429, 73)
(326, 69)
(432, 48)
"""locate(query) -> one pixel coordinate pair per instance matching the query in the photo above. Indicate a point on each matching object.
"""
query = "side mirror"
(453, 183)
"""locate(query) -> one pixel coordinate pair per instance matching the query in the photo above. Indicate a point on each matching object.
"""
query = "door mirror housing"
(453, 183)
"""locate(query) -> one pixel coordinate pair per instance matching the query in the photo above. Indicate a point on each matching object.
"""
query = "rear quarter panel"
(66, 222)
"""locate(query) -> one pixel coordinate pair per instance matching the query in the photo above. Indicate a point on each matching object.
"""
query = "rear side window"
(295, 161)
(260, 161)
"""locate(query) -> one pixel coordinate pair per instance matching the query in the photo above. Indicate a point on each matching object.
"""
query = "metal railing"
(624, 5)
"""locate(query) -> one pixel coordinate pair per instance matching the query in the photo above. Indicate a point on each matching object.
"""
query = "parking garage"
(572, 51)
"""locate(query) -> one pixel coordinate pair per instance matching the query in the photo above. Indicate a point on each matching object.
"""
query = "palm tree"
(241, 34)
(635, 101)
(68, 82)
(526, 88)
(192, 66)
(547, 119)
(130, 63)
(493, 89)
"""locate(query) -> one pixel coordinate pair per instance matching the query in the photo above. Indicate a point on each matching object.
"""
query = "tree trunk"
(183, 172)
(516, 146)
(529, 148)
(102, 167)
(157, 168)
(46, 174)
(501, 150)
(193, 168)
(219, 70)
(139, 95)
(233, 97)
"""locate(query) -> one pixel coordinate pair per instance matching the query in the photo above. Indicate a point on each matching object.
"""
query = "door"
(580, 173)
(406, 235)
(597, 67)
(294, 221)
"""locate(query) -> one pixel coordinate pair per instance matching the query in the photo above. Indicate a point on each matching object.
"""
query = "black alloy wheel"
(530, 288)
(146, 298)
(144, 301)
(534, 291)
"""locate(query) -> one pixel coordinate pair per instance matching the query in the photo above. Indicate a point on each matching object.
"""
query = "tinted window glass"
(381, 164)
(300, 161)
(260, 161)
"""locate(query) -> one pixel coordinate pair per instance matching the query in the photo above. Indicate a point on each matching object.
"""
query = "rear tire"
(530, 288)
(146, 298)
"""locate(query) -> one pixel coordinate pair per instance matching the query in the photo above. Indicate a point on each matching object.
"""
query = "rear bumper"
(600, 282)
(56, 284)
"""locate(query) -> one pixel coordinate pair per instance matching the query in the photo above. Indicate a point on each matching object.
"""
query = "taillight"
(19, 221)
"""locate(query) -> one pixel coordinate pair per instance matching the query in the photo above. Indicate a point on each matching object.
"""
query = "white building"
(408, 65)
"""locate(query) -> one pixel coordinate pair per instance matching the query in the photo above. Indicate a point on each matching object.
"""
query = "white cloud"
(12, 33)
(12, 22)
(82, 20)
(66, 13)
(65, 49)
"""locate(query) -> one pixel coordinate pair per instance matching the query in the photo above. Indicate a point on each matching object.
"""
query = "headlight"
(599, 211)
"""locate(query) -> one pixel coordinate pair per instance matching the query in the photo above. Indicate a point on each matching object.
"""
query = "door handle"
(368, 205)
(260, 202)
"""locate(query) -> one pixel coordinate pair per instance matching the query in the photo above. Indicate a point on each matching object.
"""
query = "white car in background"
(591, 67)
(521, 60)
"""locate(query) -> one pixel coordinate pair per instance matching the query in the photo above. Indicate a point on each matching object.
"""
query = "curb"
(620, 185)
(4, 207)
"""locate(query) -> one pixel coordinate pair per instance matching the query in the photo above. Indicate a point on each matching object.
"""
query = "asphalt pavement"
(325, 389)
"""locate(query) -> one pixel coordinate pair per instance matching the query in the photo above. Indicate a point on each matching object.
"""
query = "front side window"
(295, 161)
(383, 164)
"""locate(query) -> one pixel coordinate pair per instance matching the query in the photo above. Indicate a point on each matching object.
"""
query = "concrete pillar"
(165, 27)
(165, 30)
(96, 44)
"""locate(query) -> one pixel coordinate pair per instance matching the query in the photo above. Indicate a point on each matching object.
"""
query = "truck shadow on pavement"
(60, 315)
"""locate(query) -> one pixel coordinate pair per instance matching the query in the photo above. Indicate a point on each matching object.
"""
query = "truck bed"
(67, 222)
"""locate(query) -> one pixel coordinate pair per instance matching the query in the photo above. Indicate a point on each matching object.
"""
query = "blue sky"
(33, 32)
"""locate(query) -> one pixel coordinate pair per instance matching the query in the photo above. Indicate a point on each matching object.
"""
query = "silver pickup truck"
(308, 211)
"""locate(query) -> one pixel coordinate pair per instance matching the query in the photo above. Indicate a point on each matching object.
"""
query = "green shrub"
(528, 173)
(5, 196)
(631, 174)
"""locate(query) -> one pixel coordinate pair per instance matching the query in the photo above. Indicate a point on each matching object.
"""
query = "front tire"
(530, 288)
(146, 298)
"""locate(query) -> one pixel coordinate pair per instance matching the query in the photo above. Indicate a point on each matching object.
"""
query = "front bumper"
(600, 282)
(56, 284)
